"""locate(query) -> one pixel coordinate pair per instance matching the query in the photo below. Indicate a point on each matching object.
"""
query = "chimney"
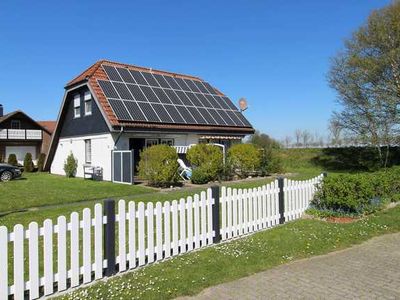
(1, 110)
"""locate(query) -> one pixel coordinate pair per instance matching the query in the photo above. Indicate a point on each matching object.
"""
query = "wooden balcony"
(20, 134)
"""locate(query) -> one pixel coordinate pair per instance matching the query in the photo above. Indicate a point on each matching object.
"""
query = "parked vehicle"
(8, 172)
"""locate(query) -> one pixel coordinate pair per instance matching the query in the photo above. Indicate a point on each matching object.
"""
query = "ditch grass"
(190, 273)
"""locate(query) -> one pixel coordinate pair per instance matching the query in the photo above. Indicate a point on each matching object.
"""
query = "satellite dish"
(243, 104)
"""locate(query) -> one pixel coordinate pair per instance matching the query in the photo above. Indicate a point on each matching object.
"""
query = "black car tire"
(6, 176)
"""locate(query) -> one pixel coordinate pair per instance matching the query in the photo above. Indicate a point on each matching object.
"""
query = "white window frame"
(88, 151)
(151, 142)
(169, 142)
(77, 105)
(88, 101)
(17, 123)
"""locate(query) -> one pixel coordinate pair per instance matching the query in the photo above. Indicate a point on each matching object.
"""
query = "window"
(151, 142)
(15, 124)
(169, 142)
(88, 103)
(88, 151)
(77, 106)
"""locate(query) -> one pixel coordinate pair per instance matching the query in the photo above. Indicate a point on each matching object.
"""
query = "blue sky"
(274, 53)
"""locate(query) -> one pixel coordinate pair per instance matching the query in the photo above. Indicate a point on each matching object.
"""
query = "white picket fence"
(298, 195)
(248, 210)
(56, 257)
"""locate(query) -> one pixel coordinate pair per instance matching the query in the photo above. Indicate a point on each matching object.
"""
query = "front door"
(137, 145)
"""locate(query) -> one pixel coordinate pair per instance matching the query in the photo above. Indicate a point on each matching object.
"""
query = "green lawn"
(242, 257)
(41, 189)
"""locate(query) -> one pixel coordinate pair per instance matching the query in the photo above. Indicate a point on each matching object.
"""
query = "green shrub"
(12, 160)
(199, 176)
(70, 166)
(158, 164)
(28, 163)
(208, 158)
(272, 161)
(358, 193)
(41, 160)
(244, 159)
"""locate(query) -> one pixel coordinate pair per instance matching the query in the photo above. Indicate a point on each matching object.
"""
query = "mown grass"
(190, 273)
(41, 189)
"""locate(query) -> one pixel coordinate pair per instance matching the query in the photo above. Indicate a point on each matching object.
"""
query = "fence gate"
(122, 166)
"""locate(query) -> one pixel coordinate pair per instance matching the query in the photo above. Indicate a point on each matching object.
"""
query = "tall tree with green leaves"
(366, 76)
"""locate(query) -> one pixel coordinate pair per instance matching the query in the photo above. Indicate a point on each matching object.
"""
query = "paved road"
(367, 271)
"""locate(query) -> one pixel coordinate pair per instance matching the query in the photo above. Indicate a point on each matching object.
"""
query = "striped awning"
(221, 137)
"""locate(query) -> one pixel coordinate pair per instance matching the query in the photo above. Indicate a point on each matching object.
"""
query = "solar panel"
(150, 97)
(173, 97)
(136, 92)
(119, 109)
(126, 75)
(149, 112)
(150, 79)
(149, 93)
(123, 90)
(138, 77)
(162, 113)
(108, 89)
(112, 73)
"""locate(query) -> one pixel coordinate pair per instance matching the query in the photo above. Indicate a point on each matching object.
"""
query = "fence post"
(109, 236)
(215, 214)
(281, 201)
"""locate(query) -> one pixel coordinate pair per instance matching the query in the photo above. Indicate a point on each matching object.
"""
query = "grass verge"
(189, 274)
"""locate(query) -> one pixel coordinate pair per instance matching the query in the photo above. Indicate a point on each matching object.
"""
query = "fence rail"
(56, 257)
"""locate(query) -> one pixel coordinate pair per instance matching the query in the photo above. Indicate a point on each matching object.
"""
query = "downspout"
(118, 137)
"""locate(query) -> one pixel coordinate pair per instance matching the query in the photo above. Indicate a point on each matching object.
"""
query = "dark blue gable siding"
(84, 125)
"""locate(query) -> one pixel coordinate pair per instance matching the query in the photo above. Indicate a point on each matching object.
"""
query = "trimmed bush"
(28, 163)
(158, 164)
(244, 159)
(12, 160)
(358, 193)
(199, 176)
(208, 158)
(70, 166)
(41, 160)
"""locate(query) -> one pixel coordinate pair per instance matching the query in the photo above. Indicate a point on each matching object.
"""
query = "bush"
(41, 160)
(12, 160)
(70, 166)
(208, 158)
(358, 193)
(158, 164)
(28, 163)
(243, 159)
(199, 176)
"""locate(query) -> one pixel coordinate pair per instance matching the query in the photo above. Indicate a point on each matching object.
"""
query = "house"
(111, 111)
(20, 134)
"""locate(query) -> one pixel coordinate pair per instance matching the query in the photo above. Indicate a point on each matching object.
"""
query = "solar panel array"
(150, 97)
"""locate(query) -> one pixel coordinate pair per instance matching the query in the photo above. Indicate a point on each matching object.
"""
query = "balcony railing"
(20, 134)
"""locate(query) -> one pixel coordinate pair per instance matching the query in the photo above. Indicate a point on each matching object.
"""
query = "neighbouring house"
(20, 134)
(111, 111)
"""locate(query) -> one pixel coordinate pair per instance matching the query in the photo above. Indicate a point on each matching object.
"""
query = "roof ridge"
(150, 69)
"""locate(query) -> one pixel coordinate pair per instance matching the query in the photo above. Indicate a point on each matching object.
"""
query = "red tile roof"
(49, 125)
(95, 72)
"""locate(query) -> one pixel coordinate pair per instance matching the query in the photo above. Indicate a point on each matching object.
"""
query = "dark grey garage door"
(122, 166)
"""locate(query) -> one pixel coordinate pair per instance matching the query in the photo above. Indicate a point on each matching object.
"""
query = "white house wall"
(179, 139)
(101, 154)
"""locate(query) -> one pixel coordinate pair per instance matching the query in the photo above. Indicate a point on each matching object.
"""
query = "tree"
(298, 133)
(70, 166)
(263, 140)
(366, 76)
(287, 141)
(335, 130)
(28, 163)
(306, 138)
